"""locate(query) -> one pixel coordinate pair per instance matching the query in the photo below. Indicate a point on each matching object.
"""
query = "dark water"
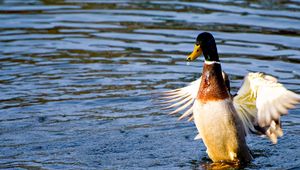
(76, 79)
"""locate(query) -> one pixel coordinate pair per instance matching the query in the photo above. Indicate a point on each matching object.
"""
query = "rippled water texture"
(76, 79)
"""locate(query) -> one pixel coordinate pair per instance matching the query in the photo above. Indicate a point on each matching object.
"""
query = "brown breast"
(212, 85)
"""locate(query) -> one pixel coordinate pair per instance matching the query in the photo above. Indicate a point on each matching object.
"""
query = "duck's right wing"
(261, 101)
(181, 99)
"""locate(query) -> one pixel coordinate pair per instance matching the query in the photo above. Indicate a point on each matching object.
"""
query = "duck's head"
(205, 43)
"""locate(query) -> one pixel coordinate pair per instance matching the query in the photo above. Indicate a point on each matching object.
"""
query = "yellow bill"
(196, 53)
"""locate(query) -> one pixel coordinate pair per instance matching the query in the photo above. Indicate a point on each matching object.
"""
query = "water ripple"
(78, 78)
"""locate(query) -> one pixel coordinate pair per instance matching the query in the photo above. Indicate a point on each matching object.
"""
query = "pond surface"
(77, 78)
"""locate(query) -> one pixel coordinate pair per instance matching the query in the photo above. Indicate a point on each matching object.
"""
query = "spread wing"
(260, 103)
(181, 99)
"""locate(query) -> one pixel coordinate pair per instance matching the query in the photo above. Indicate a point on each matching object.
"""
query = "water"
(77, 78)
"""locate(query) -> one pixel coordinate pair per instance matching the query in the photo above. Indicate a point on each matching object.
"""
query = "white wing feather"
(182, 99)
(261, 101)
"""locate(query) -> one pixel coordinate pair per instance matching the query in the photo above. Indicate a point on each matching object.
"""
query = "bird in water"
(223, 121)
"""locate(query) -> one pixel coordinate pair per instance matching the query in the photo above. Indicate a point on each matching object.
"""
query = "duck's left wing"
(181, 99)
(261, 101)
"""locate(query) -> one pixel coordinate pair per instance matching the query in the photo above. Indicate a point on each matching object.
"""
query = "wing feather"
(182, 99)
(260, 103)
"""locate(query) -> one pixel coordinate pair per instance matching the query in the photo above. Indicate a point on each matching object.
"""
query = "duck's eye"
(197, 50)
(197, 44)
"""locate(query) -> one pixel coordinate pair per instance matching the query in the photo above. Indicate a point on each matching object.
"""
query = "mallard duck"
(223, 121)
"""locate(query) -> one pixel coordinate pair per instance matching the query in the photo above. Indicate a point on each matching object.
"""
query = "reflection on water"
(76, 78)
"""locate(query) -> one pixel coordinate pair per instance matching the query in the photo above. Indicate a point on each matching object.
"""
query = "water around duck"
(77, 78)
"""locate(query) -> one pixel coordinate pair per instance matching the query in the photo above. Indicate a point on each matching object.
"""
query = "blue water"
(77, 79)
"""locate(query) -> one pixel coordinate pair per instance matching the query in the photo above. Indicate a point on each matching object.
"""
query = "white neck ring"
(212, 62)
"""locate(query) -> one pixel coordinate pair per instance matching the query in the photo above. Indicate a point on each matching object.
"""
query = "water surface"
(77, 78)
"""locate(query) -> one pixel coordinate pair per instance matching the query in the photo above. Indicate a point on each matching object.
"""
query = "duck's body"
(221, 131)
(216, 119)
(223, 121)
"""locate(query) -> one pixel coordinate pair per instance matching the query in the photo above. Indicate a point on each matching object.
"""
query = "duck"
(224, 120)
